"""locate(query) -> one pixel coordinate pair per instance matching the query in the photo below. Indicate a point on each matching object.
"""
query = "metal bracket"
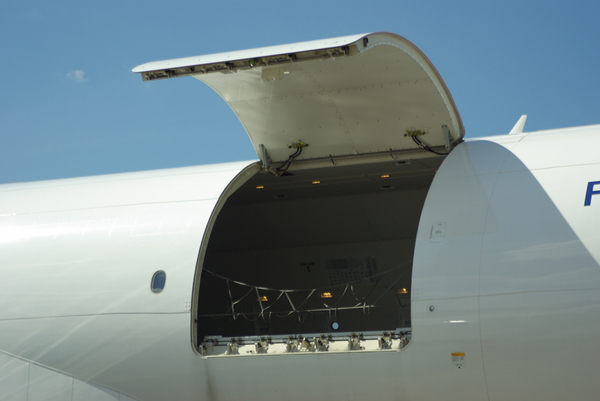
(262, 346)
(354, 342)
(448, 140)
(264, 157)
(385, 341)
(291, 345)
(232, 346)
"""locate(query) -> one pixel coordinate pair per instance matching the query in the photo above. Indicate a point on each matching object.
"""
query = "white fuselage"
(505, 296)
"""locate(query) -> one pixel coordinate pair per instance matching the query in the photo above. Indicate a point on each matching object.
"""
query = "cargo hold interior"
(322, 250)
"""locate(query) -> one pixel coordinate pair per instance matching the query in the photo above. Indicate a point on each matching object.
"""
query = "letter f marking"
(590, 191)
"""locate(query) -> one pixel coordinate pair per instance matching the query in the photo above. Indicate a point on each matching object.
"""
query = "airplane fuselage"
(370, 253)
(504, 300)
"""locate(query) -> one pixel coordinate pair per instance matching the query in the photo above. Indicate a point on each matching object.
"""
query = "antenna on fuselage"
(518, 128)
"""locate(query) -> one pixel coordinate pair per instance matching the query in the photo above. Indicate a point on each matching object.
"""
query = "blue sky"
(70, 105)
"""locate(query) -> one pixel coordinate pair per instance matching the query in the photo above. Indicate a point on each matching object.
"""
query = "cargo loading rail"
(216, 346)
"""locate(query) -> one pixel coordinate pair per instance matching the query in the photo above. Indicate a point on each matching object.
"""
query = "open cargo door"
(375, 94)
(353, 130)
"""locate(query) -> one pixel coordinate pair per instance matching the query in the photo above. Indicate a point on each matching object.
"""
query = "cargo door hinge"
(263, 155)
(448, 140)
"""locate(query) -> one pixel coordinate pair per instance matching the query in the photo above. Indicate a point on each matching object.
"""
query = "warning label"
(458, 359)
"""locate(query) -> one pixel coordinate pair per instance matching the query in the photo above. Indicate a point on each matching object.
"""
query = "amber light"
(326, 295)
(264, 298)
(385, 176)
(402, 291)
(260, 187)
(316, 182)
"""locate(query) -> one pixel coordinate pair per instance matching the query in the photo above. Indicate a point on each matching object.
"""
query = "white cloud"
(77, 76)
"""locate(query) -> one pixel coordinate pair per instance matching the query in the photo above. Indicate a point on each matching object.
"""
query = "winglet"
(518, 128)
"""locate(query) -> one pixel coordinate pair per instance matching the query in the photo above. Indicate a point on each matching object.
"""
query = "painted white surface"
(126, 189)
(512, 279)
(85, 391)
(518, 128)
(14, 377)
(531, 249)
(46, 385)
(101, 242)
(540, 276)
(23, 381)
(80, 267)
(250, 53)
(359, 103)
(555, 148)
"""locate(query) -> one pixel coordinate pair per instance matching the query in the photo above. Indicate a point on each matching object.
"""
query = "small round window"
(158, 281)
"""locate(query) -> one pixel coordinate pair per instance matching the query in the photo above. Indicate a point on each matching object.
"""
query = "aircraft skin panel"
(14, 376)
(490, 302)
(249, 53)
(146, 356)
(533, 159)
(24, 381)
(245, 54)
(100, 237)
(346, 96)
(337, 105)
(148, 187)
(520, 245)
(81, 249)
(548, 239)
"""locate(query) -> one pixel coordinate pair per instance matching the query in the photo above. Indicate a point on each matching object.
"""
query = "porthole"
(158, 281)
